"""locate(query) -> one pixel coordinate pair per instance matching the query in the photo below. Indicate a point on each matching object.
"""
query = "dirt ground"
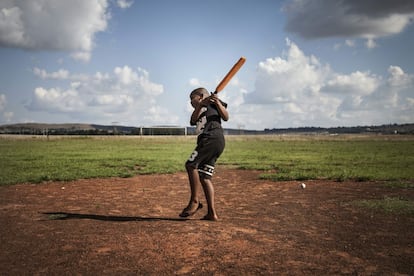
(131, 226)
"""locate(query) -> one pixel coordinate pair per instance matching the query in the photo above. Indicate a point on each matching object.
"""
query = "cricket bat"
(230, 75)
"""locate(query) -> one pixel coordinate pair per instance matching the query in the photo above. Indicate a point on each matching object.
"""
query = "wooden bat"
(230, 75)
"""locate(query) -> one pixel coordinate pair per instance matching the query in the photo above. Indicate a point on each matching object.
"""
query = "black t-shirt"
(209, 120)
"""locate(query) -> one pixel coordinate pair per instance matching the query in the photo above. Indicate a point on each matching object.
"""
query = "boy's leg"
(206, 171)
(209, 193)
(195, 186)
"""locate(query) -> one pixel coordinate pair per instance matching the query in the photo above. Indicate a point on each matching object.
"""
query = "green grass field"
(36, 159)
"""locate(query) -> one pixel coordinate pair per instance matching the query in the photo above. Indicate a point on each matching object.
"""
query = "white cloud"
(53, 25)
(298, 90)
(3, 102)
(124, 95)
(194, 82)
(352, 18)
(397, 91)
(283, 79)
(57, 100)
(350, 43)
(356, 83)
(399, 79)
(350, 90)
(158, 115)
(61, 74)
(370, 43)
(83, 56)
(125, 75)
(124, 4)
(8, 116)
(98, 77)
(293, 108)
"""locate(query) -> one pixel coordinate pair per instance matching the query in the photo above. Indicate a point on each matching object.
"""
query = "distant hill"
(381, 129)
(65, 129)
(93, 129)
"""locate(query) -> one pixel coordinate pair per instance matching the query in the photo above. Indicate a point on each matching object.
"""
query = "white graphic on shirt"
(202, 120)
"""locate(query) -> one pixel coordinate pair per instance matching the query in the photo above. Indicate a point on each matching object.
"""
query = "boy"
(207, 115)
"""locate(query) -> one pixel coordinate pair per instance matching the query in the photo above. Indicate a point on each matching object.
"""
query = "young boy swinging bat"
(208, 113)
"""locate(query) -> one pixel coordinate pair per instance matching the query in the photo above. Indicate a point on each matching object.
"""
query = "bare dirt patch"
(131, 226)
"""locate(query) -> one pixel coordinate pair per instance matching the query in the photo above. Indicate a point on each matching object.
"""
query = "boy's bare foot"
(190, 210)
(210, 217)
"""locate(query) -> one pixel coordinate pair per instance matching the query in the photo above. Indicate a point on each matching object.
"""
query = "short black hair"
(201, 91)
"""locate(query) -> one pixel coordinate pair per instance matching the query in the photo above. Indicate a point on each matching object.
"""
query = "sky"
(320, 63)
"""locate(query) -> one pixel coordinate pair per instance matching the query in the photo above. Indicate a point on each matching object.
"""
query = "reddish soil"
(131, 226)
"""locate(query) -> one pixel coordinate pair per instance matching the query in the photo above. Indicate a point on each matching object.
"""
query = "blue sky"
(309, 63)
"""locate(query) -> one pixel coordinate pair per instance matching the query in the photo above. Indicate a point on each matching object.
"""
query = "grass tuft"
(389, 205)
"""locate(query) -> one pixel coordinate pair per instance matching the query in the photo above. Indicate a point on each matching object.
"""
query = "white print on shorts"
(193, 156)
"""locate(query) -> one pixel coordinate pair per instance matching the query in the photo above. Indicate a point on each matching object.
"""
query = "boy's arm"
(224, 114)
(195, 115)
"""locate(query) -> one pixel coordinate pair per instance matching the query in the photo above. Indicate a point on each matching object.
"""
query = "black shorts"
(206, 153)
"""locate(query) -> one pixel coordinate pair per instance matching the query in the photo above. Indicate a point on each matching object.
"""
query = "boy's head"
(200, 92)
(197, 95)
